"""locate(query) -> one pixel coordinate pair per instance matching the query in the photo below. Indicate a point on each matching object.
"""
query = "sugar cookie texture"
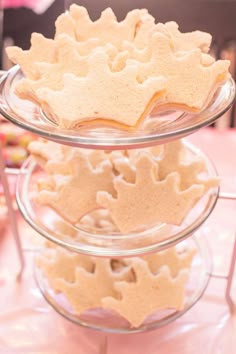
(116, 72)
(162, 184)
(120, 285)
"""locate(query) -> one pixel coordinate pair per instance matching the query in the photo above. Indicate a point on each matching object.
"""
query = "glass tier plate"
(108, 321)
(100, 241)
(157, 128)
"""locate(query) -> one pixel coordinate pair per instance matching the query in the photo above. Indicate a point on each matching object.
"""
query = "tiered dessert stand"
(158, 128)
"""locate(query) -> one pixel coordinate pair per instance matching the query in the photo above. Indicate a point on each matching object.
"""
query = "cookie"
(99, 95)
(42, 50)
(164, 292)
(98, 67)
(181, 72)
(44, 151)
(89, 288)
(175, 260)
(75, 195)
(152, 200)
(189, 169)
(59, 263)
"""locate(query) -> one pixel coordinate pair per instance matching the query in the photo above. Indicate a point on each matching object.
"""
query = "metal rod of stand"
(103, 349)
(11, 213)
(232, 269)
(228, 196)
(1, 33)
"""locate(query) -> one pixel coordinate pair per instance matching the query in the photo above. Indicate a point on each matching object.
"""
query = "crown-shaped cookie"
(42, 50)
(173, 258)
(59, 263)
(99, 67)
(152, 200)
(101, 94)
(74, 195)
(162, 184)
(78, 24)
(189, 168)
(137, 27)
(71, 58)
(90, 282)
(164, 292)
(89, 288)
(182, 70)
(121, 88)
(56, 158)
(185, 41)
(44, 151)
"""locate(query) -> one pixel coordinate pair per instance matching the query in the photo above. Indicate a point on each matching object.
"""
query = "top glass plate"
(157, 128)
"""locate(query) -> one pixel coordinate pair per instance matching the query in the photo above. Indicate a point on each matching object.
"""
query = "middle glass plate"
(103, 241)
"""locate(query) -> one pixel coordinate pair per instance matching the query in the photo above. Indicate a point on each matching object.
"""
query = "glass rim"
(203, 251)
(219, 104)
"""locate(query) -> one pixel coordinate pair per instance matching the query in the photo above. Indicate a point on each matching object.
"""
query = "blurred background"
(22, 17)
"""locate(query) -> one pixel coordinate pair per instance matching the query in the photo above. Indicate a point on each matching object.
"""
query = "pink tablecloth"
(29, 325)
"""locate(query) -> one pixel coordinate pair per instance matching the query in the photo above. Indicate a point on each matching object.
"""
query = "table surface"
(28, 325)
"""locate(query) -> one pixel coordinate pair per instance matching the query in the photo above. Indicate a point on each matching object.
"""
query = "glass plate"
(106, 243)
(107, 321)
(157, 128)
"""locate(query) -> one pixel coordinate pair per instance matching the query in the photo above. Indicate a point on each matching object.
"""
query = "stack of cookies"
(119, 193)
(114, 74)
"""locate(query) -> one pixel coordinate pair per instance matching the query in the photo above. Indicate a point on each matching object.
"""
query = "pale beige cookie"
(173, 160)
(172, 258)
(100, 94)
(44, 151)
(123, 167)
(88, 288)
(106, 28)
(59, 263)
(42, 50)
(98, 67)
(69, 60)
(96, 156)
(148, 294)
(77, 24)
(56, 158)
(64, 230)
(185, 41)
(65, 167)
(182, 71)
(75, 194)
(152, 201)
(46, 183)
(180, 42)
(207, 59)
(155, 152)
(50, 75)
(65, 24)
(97, 220)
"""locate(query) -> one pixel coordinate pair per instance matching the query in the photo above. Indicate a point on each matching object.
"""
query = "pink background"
(18, 3)
(29, 325)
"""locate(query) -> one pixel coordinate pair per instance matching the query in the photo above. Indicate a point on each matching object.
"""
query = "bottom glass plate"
(107, 321)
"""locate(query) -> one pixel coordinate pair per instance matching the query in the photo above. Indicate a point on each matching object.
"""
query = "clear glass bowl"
(157, 128)
(100, 241)
(108, 321)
